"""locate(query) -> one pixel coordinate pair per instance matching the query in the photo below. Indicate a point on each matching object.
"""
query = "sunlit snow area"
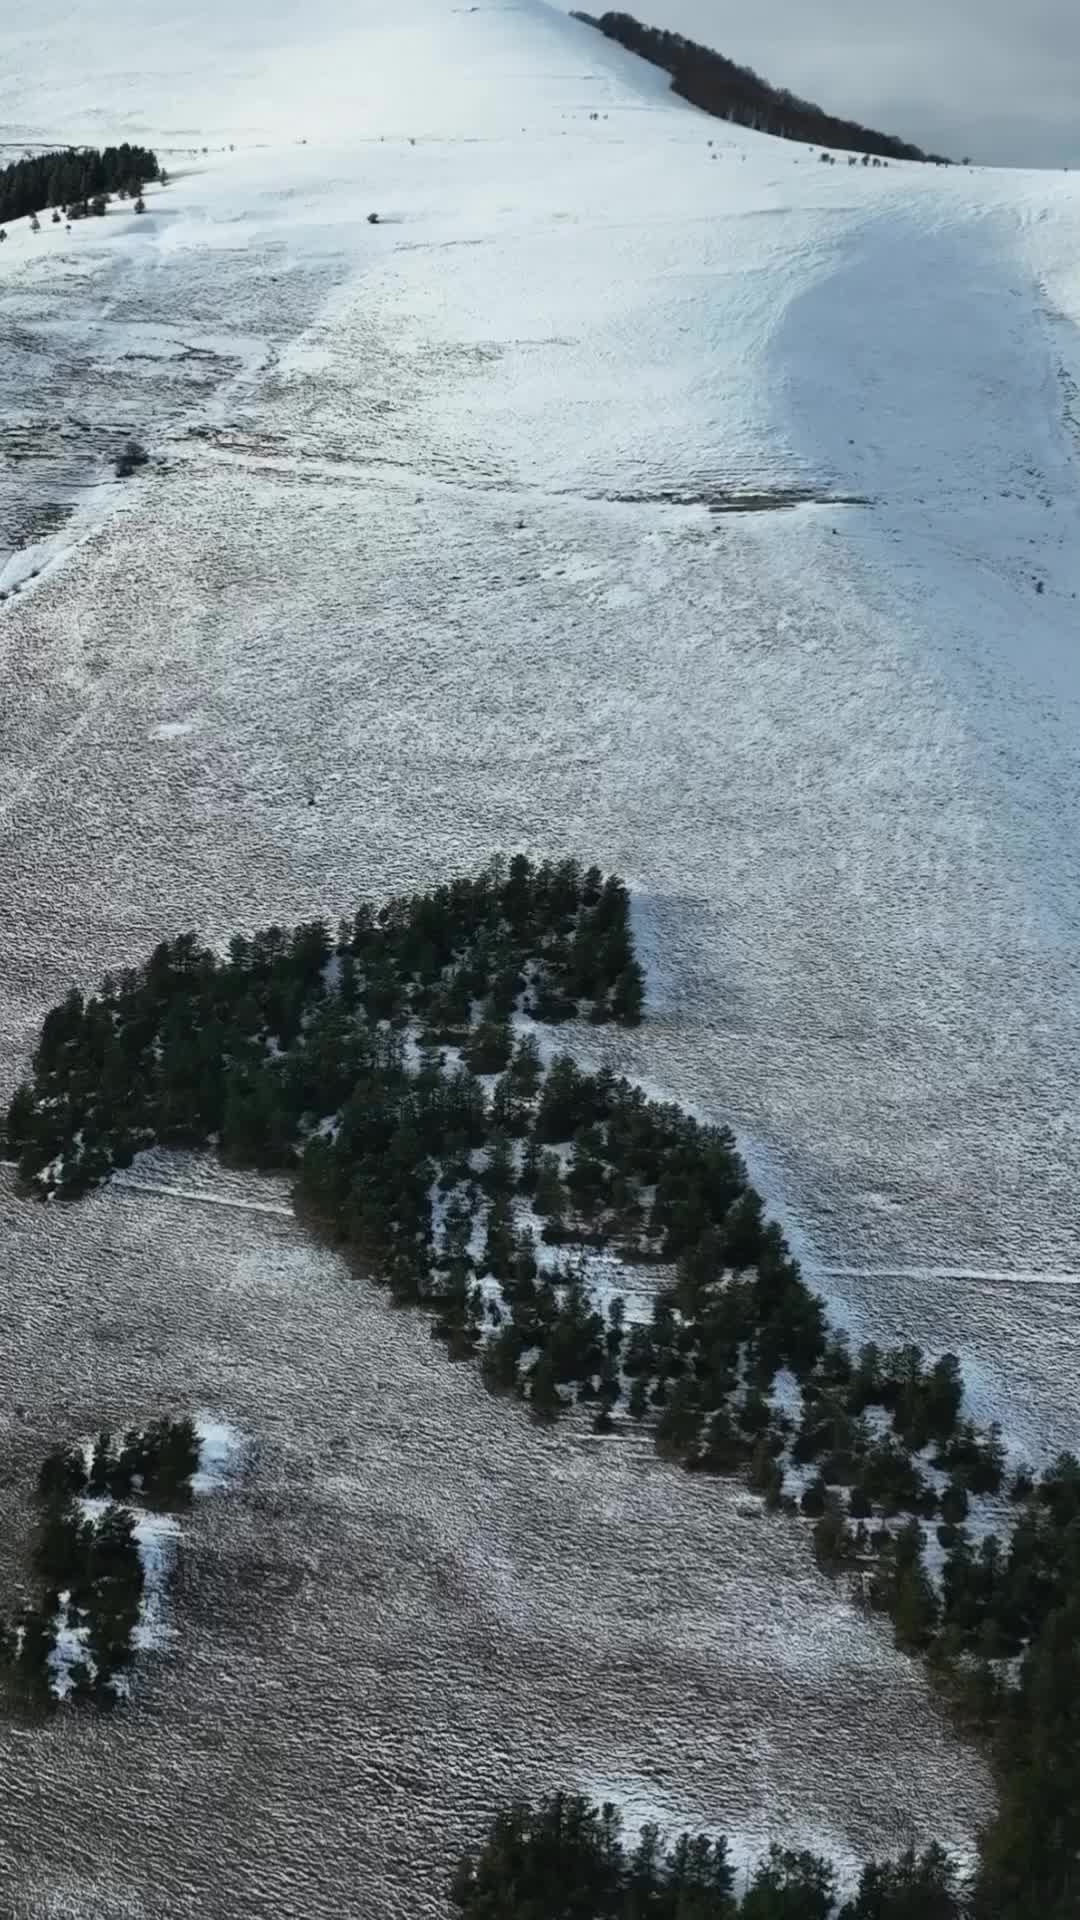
(463, 531)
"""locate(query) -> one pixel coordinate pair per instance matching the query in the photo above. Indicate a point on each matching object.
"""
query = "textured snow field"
(408, 1604)
(430, 532)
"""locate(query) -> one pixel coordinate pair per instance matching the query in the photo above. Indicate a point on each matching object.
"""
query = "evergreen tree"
(550, 1196)
(678, 1428)
(525, 1071)
(490, 1047)
(100, 1466)
(500, 1174)
(790, 1885)
(923, 1886)
(628, 995)
(742, 1230)
(831, 1541)
(544, 1396)
(530, 1167)
(638, 1402)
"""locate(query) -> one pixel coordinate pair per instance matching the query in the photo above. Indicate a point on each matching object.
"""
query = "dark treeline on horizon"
(72, 177)
(719, 86)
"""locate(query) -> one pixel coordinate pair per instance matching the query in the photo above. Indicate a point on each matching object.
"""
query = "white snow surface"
(428, 532)
(156, 1536)
(411, 540)
(221, 1450)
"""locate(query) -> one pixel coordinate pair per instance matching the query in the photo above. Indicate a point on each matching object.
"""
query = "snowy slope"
(438, 526)
(836, 744)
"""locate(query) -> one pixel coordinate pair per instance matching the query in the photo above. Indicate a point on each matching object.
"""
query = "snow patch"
(221, 1450)
(156, 1536)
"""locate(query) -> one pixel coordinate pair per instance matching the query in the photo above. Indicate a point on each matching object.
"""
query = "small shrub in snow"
(130, 457)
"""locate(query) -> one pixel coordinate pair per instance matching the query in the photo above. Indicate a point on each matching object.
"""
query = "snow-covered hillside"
(412, 540)
(447, 526)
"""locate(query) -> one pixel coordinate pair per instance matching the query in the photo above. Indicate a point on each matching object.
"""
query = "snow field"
(435, 527)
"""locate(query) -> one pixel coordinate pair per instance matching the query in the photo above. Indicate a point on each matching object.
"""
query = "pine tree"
(101, 1462)
(638, 1402)
(915, 1608)
(678, 1428)
(499, 1247)
(831, 1542)
(530, 1166)
(525, 1071)
(742, 1230)
(766, 1475)
(628, 996)
(499, 1176)
(790, 1886)
(550, 1196)
(544, 1397)
(19, 1129)
(489, 1049)
(923, 1886)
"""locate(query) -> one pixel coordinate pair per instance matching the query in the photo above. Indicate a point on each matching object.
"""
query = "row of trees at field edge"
(88, 1564)
(730, 92)
(390, 1070)
(566, 1859)
(73, 177)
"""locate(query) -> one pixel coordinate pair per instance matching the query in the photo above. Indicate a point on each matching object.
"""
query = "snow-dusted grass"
(221, 1452)
(834, 750)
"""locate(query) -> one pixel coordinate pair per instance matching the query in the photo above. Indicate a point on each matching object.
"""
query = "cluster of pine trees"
(73, 178)
(254, 1050)
(87, 1560)
(390, 1071)
(730, 92)
(566, 1859)
(153, 1464)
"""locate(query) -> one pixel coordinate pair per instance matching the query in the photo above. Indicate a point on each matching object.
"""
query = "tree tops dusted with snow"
(78, 1638)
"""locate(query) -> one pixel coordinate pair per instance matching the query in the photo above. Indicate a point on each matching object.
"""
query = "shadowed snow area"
(437, 527)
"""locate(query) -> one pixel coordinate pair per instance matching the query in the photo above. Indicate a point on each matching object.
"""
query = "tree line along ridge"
(731, 92)
(392, 1068)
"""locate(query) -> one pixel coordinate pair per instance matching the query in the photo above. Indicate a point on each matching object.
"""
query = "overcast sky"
(999, 79)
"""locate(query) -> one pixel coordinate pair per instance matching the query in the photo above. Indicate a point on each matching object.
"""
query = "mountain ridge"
(730, 91)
